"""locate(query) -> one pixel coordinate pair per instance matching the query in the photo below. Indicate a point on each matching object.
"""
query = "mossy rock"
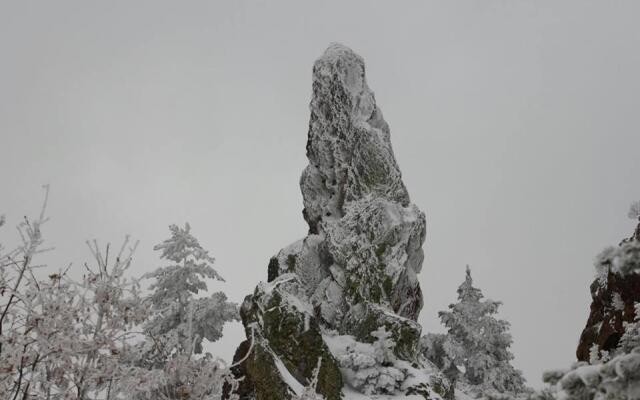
(287, 330)
(367, 318)
(264, 375)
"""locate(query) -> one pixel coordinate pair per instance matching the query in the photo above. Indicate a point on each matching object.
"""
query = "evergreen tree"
(181, 321)
(478, 342)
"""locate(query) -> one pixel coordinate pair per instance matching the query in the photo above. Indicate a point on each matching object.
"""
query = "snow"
(267, 287)
(292, 382)
(372, 368)
(351, 394)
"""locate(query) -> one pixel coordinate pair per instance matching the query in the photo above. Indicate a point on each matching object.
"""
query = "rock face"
(286, 342)
(356, 270)
(614, 294)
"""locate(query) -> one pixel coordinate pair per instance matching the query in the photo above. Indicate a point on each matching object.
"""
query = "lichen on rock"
(356, 270)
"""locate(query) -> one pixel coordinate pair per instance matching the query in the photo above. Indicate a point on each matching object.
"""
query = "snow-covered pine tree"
(179, 323)
(479, 343)
(181, 320)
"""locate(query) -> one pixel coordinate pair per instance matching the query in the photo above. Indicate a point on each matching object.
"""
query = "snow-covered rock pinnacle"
(349, 149)
(354, 197)
(353, 279)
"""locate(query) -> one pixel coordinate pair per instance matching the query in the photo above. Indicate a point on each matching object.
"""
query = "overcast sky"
(515, 124)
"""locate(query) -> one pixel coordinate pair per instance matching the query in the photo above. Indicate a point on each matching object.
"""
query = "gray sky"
(515, 125)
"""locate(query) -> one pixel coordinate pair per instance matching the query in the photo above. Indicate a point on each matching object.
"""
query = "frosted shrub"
(370, 368)
(60, 338)
(66, 339)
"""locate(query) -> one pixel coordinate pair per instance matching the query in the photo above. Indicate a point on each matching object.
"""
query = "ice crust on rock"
(348, 147)
(356, 271)
(354, 197)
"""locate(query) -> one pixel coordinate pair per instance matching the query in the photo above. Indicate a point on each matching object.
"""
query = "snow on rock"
(284, 344)
(609, 349)
(614, 294)
(373, 369)
(356, 270)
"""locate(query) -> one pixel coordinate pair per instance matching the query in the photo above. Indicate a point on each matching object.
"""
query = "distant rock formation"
(352, 281)
(614, 295)
(609, 348)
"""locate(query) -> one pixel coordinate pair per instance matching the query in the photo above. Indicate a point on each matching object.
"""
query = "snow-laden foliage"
(180, 321)
(606, 376)
(631, 338)
(612, 374)
(443, 351)
(621, 260)
(67, 339)
(475, 349)
(617, 379)
(62, 339)
(183, 377)
(374, 370)
(370, 368)
(598, 356)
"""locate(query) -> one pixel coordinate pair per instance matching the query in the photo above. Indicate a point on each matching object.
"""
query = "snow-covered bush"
(182, 377)
(370, 368)
(615, 377)
(621, 260)
(66, 339)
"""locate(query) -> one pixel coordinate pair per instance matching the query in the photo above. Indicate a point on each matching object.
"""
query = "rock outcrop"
(354, 276)
(614, 292)
(609, 349)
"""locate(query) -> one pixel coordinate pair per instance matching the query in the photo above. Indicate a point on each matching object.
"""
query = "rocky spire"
(349, 148)
(356, 271)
